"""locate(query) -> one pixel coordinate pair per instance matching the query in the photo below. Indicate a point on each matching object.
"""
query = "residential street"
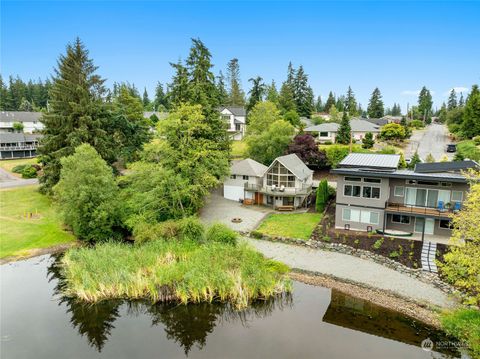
(433, 139)
(7, 180)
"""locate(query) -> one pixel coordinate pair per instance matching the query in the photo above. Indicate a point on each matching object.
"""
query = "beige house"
(327, 132)
(286, 184)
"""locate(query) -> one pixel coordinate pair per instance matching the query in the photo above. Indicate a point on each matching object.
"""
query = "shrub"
(335, 154)
(476, 139)
(368, 141)
(322, 196)
(416, 124)
(221, 233)
(190, 228)
(394, 254)
(327, 143)
(256, 234)
(29, 172)
(326, 239)
(332, 191)
(392, 131)
(19, 168)
(378, 243)
(464, 324)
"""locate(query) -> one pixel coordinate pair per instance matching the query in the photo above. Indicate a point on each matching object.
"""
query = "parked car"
(451, 147)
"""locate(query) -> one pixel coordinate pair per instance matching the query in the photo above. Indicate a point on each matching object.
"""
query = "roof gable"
(235, 110)
(248, 167)
(295, 165)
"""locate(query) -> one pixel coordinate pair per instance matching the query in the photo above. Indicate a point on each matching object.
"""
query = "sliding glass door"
(422, 197)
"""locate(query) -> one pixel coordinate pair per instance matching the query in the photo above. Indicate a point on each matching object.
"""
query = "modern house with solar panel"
(285, 185)
(374, 195)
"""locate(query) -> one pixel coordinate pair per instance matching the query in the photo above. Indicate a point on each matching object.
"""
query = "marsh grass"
(184, 271)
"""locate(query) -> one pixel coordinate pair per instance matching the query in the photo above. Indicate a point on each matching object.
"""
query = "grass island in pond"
(173, 270)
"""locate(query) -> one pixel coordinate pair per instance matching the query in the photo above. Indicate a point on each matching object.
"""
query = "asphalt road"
(433, 139)
(7, 180)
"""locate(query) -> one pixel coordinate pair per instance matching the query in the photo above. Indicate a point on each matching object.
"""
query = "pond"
(313, 322)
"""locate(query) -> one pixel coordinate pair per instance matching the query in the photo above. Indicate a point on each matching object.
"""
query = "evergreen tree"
(368, 141)
(471, 114)
(290, 74)
(442, 114)
(430, 158)
(161, 100)
(375, 105)
(145, 99)
(452, 100)
(321, 196)
(351, 103)
(425, 103)
(77, 113)
(221, 89)
(302, 92)
(3, 95)
(272, 93)
(286, 98)
(319, 104)
(396, 110)
(25, 105)
(256, 92)
(344, 131)
(461, 102)
(340, 104)
(236, 96)
(415, 159)
(179, 88)
(330, 102)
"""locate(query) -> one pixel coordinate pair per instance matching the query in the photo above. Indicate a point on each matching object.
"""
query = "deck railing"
(304, 190)
(14, 148)
(414, 209)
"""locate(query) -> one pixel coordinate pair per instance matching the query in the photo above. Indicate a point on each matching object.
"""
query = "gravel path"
(354, 269)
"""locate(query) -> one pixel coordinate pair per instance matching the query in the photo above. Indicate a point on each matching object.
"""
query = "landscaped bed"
(173, 270)
(29, 222)
(291, 225)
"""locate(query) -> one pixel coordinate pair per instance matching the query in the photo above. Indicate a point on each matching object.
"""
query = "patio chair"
(441, 206)
(456, 207)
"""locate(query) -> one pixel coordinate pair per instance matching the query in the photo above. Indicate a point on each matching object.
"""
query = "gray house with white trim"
(327, 132)
(236, 119)
(374, 195)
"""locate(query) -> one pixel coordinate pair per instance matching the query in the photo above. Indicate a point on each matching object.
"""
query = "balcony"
(420, 210)
(287, 191)
(18, 148)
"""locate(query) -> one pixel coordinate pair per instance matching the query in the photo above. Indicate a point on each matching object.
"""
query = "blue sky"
(397, 46)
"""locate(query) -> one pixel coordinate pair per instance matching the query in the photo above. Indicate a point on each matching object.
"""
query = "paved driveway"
(7, 180)
(219, 209)
(433, 139)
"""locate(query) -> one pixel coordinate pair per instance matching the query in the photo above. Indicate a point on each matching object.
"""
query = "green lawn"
(9, 164)
(292, 225)
(239, 149)
(18, 234)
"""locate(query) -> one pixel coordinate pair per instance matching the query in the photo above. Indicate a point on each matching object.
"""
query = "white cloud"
(457, 89)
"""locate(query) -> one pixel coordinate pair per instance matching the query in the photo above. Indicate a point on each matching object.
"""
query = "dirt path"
(353, 270)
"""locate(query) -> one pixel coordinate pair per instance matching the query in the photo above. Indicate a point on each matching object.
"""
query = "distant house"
(31, 121)
(378, 121)
(328, 131)
(18, 145)
(285, 184)
(236, 119)
(392, 119)
(160, 115)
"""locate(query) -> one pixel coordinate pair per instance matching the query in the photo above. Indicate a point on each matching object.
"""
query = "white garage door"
(233, 192)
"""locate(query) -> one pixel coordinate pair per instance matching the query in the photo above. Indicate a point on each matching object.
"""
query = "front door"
(429, 225)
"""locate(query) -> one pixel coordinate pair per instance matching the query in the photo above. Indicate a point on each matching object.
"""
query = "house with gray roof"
(373, 194)
(236, 119)
(285, 185)
(327, 132)
(18, 145)
(31, 121)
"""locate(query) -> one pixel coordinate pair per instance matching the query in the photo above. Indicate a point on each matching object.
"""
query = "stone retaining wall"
(426, 277)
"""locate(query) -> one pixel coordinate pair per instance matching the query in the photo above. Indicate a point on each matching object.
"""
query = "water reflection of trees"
(187, 325)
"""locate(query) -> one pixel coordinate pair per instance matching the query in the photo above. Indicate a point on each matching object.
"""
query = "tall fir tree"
(179, 87)
(340, 103)
(375, 107)
(221, 89)
(77, 113)
(3, 95)
(303, 93)
(290, 74)
(160, 102)
(344, 131)
(256, 92)
(452, 100)
(145, 100)
(471, 114)
(286, 98)
(330, 102)
(425, 103)
(236, 96)
(272, 93)
(351, 103)
(319, 104)
(461, 101)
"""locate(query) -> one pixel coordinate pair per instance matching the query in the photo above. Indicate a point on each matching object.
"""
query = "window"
(399, 191)
(355, 215)
(457, 196)
(226, 118)
(245, 178)
(351, 191)
(428, 183)
(353, 179)
(371, 192)
(372, 180)
(398, 218)
(233, 176)
(323, 134)
(237, 127)
(278, 175)
(269, 199)
(445, 223)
